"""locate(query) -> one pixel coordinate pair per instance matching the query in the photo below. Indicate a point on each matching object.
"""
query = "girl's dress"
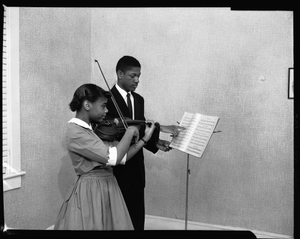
(95, 201)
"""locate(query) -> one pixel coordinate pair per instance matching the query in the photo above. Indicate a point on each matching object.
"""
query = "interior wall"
(212, 61)
(231, 64)
(54, 61)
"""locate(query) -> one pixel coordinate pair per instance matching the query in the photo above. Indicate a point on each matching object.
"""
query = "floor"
(163, 223)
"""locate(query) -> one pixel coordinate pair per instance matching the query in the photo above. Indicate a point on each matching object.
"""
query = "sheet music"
(194, 139)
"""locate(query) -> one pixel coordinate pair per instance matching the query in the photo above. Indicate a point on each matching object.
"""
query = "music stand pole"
(187, 190)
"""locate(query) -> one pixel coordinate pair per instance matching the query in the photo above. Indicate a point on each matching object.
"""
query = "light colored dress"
(95, 201)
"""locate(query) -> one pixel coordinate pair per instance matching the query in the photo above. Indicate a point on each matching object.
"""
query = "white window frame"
(11, 126)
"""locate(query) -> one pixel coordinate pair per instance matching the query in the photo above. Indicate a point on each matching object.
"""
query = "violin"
(114, 129)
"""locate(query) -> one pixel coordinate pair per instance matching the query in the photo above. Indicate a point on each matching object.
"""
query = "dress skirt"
(95, 202)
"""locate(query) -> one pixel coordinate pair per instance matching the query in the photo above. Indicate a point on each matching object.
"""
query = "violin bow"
(113, 99)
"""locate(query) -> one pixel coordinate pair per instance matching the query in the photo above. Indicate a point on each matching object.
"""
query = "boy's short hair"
(127, 62)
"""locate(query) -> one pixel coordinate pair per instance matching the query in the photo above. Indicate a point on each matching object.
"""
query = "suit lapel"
(138, 107)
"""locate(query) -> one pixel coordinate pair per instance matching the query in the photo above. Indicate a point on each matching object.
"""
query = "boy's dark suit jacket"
(131, 176)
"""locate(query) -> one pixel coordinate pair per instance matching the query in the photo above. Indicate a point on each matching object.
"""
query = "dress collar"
(80, 123)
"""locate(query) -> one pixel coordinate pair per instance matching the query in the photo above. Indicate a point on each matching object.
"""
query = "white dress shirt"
(124, 95)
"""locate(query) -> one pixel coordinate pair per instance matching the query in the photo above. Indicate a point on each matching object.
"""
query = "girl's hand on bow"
(174, 130)
(135, 133)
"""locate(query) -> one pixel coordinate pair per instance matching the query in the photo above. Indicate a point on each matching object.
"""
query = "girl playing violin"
(95, 202)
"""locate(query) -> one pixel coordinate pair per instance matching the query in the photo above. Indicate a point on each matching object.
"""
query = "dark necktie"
(129, 105)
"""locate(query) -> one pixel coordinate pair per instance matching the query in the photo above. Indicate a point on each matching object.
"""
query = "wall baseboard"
(166, 223)
(50, 228)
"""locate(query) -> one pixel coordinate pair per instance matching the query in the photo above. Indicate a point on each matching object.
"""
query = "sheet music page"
(183, 139)
(194, 139)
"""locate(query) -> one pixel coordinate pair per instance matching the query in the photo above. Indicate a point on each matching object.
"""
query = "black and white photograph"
(148, 119)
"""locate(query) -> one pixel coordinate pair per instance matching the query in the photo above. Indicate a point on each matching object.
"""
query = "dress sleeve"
(113, 154)
(87, 144)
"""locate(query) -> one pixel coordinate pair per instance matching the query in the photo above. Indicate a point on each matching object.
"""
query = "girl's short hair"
(127, 62)
(90, 92)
